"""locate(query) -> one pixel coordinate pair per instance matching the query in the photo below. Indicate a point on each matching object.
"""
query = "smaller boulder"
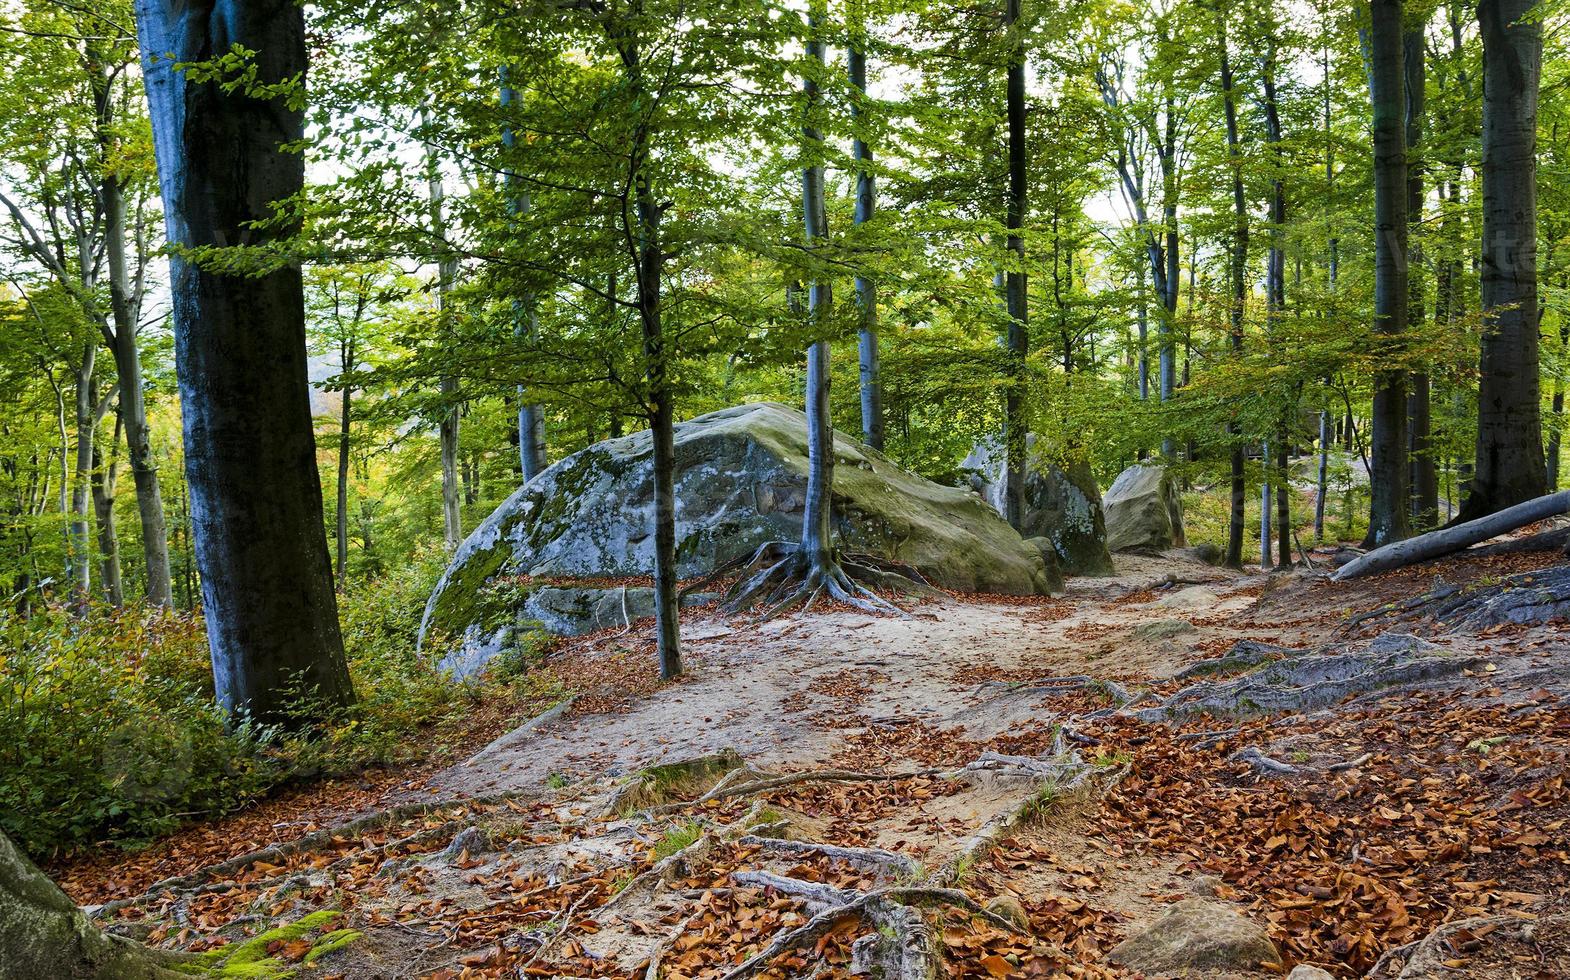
(1306, 972)
(1062, 502)
(1194, 937)
(1144, 510)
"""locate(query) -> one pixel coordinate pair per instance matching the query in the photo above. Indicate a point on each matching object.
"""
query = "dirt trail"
(789, 692)
(1033, 752)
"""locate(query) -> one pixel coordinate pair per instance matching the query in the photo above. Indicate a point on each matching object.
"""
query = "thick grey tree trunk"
(1509, 459)
(816, 526)
(44, 936)
(866, 293)
(250, 449)
(1014, 423)
(1388, 505)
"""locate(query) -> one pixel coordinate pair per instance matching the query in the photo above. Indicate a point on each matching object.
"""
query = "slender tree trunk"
(866, 292)
(342, 517)
(1388, 505)
(1324, 474)
(250, 449)
(1558, 406)
(1509, 458)
(650, 265)
(1275, 306)
(1424, 473)
(123, 341)
(103, 485)
(1239, 285)
(1167, 356)
(525, 315)
(80, 533)
(1014, 424)
(447, 429)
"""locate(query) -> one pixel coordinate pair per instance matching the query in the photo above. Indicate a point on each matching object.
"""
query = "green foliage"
(108, 728)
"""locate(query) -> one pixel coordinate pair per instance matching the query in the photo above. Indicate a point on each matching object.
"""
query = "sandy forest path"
(794, 691)
(1175, 771)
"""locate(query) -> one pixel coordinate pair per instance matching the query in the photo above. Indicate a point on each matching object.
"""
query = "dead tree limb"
(1447, 540)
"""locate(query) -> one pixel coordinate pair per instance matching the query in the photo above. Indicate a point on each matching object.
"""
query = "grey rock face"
(1144, 510)
(1062, 504)
(741, 479)
(1194, 936)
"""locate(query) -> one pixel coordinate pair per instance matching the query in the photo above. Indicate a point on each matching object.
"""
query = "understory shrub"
(109, 729)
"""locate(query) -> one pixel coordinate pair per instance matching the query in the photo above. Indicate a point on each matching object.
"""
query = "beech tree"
(225, 127)
(1509, 464)
(1388, 505)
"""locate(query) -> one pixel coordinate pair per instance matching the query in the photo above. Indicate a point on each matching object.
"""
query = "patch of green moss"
(251, 961)
(676, 780)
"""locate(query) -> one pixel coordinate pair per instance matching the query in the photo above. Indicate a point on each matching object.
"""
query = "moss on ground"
(252, 959)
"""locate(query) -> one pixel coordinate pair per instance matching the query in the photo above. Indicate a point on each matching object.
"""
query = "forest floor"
(1345, 771)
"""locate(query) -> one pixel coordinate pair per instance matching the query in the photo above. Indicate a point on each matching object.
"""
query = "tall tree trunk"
(816, 525)
(1014, 424)
(1388, 504)
(1509, 458)
(122, 339)
(1165, 326)
(660, 412)
(1424, 473)
(1275, 306)
(1239, 284)
(1558, 405)
(103, 486)
(866, 292)
(250, 448)
(525, 315)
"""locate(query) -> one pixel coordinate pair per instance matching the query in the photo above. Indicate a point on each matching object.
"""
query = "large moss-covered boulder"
(740, 482)
(1144, 509)
(1062, 503)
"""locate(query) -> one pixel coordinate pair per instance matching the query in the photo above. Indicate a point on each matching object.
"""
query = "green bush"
(109, 729)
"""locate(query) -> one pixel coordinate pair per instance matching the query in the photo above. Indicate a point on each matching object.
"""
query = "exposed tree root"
(278, 853)
(1436, 954)
(781, 576)
(861, 858)
(722, 790)
(1394, 662)
(879, 906)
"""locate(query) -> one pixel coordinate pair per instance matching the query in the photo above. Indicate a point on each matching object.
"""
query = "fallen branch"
(1448, 540)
